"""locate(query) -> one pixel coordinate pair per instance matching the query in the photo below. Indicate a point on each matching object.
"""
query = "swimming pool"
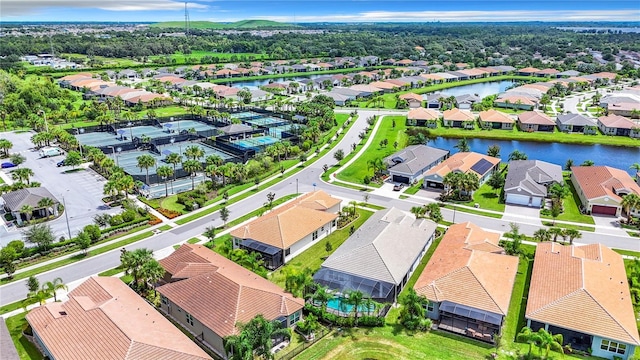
(338, 304)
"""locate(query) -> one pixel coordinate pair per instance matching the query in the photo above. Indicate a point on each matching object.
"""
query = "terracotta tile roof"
(397, 82)
(423, 114)
(411, 96)
(462, 162)
(225, 295)
(404, 62)
(495, 116)
(617, 121)
(105, 319)
(514, 99)
(468, 268)
(458, 115)
(537, 86)
(473, 72)
(431, 76)
(384, 85)
(535, 117)
(600, 181)
(531, 70)
(571, 281)
(290, 223)
(548, 72)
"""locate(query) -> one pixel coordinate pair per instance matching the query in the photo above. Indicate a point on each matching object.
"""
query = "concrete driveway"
(82, 190)
(527, 214)
(608, 225)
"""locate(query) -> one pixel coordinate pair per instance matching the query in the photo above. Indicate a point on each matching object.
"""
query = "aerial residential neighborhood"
(352, 181)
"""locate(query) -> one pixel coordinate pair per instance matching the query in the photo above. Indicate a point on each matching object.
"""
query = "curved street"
(306, 180)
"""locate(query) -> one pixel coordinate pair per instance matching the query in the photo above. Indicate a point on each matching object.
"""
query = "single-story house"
(366, 90)
(624, 108)
(468, 282)
(528, 180)
(105, 319)
(14, 202)
(340, 99)
(414, 100)
(568, 73)
(379, 258)
(529, 71)
(433, 100)
(601, 188)
(463, 162)
(288, 230)
(511, 100)
(618, 125)
(493, 119)
(458, 118)
(548, 73)
(466, 101)
(535, 121)
(423, 117)
(385, 86)
(576, 123)
(581, 292)
(209, 295)
(407, 165)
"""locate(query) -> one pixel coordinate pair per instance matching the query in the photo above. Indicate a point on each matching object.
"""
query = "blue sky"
(320, 10)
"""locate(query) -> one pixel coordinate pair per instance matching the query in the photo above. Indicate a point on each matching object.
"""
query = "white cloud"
(464, 16)
(26, 7)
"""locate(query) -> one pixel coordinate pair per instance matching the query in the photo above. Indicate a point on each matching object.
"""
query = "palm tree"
(194, 152)
(418, 211)
(151, 272)
(145, 162)
(494, 150)
(133, 261)
(27, 210)
(558, 192)
(22, 174)
(629, 202)
(636, 167)
(548, 341)
(110, 188)
(46, 203)
(55, 285)
(5, 145)
(572, 234)
(542, 235)
(517, 155)
(165, 172)
(355, 297)
(463, 145)
(239, 347)
(39, 297)
(555, 232)
(413, 309)
(192, 167)
(528, 336)
(322, 295)
(174, 159)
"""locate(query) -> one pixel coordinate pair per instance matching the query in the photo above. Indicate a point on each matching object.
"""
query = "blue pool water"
(337, 304)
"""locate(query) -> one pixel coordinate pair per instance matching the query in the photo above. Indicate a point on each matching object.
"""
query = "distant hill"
(242, 24)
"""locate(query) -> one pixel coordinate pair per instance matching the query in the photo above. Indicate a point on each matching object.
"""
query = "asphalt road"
(305, 182)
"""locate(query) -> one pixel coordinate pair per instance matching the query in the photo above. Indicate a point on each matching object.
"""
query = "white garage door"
(536, 202)
(518, 199)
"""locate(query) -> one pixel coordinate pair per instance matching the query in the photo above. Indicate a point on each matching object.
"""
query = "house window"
(294, 318)
(613, 347)
(287, 252)
(334, 223)
(430, 307)
(322, 228)
(164, 300)
(314, 235)
(189, 318)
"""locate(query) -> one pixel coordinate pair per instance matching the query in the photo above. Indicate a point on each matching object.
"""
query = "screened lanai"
(342, 282)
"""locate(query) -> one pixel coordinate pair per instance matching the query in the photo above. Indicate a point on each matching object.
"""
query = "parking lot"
(82, 190)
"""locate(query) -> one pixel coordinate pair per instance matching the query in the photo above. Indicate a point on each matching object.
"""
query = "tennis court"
(246, 115)
(100, 139)
(178, 126)
(266, 121)
(256, 143)
(276, 131)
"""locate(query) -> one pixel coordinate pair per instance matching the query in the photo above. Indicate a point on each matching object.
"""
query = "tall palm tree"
(194, 152)
(555, 232)
(165, 172)
(322, 295)
(133, 261)
(528, 336)
(517, 155)
(572, 234)
(146, 161)
(27, 210)
(238, 347)
(546, 340)
(413, 308)
(636, 167)
(192, 167)
(151, 272)
(630, 202)
(174, 159)
(542, 235)
(214, 160)
(463, 145)
(22, 174)
(46, 203)
(54, 286)
(355, 298)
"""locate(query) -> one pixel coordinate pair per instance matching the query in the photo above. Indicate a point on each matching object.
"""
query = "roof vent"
(63, 313)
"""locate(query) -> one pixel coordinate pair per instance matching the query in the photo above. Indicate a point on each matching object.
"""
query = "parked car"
(8, 164)
(398, 187)
(60, 163)
(48, 152)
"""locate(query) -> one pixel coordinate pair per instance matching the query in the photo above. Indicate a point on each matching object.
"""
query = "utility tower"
(186, 19)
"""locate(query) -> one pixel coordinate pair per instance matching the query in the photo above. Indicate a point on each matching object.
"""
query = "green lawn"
(197, 54)
(487, 198)
(193, 241)
(571, 207)
(473, 211)
(413, 189)
(313, 257)
(11, 307)
(569, 226)
(26, 350)
(628, 252)
(358, 170)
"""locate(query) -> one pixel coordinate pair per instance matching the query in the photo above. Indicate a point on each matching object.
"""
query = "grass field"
(26, 350)
(571, 207)
(359, 169)
(224, 57)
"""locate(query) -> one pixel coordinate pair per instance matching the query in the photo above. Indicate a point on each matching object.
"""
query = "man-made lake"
(481, 89)
(614, 156)
(252, 84)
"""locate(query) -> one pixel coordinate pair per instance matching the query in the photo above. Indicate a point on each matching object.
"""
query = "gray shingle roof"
(236, 129)
(9, 351)
(384, 248)
(414, 158)
(29, 196)
(576, 120)
(530, 175)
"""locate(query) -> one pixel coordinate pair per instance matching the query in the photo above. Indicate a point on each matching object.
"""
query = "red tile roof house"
(288, 230)
(493, 119)
(530, 71)
(414, 100)
(581, 292)
(104, 319)
(601, 188)
(458, 118)
(208, 295)
(530, 121)
(423, 117)
(468, 282)
(619, 126)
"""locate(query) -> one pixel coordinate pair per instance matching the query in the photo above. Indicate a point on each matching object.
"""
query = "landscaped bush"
(371, 321)
(154, 220)
(124, 226)
(332, 319)
(170, 214)
(93, 231)
(128, 215)
(116, 220)
(188, 199)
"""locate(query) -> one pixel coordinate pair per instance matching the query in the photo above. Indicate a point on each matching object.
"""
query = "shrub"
(93, 231)
(307, 145)
(116, 220)
(154, 220)
(371, 321)
(170, 214)
(128, 215)
(17, 245)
